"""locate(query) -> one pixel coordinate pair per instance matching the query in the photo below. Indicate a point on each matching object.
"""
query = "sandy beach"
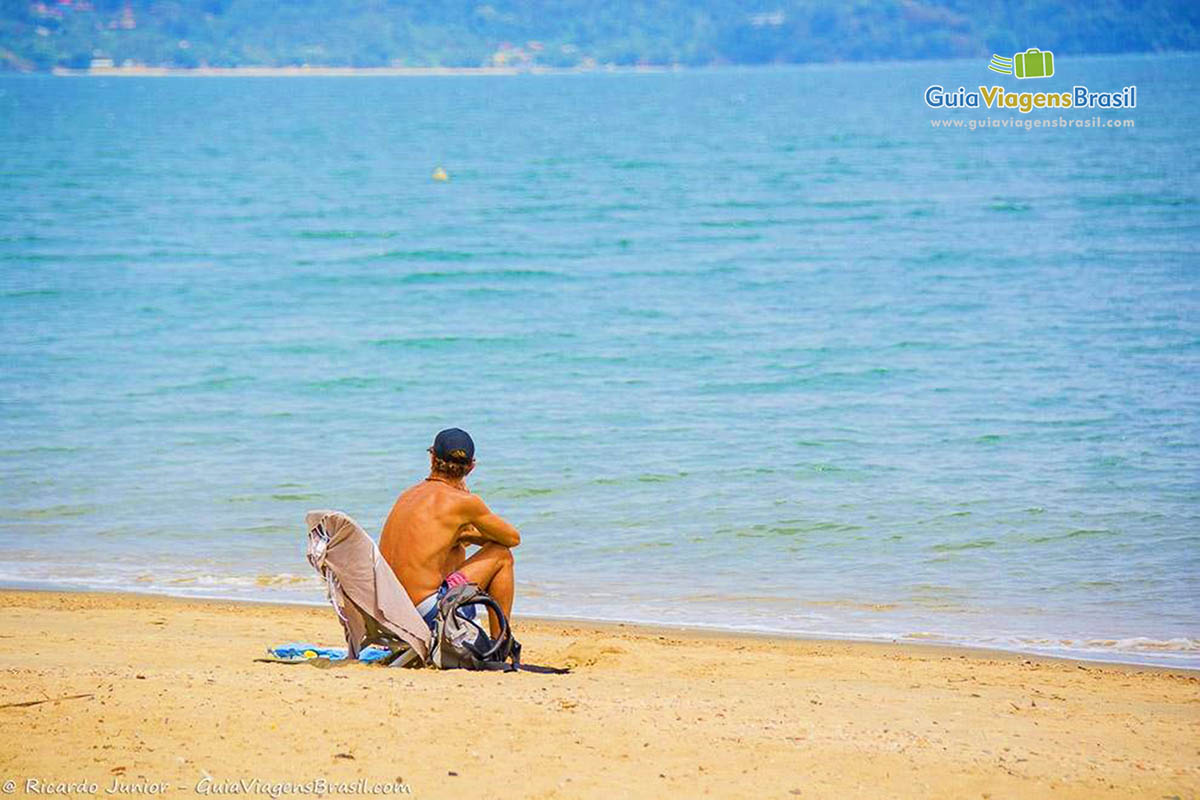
(130, 693)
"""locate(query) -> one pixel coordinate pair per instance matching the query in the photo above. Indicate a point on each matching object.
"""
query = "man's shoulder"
(439, 497)
(413, 488)
(417, 491)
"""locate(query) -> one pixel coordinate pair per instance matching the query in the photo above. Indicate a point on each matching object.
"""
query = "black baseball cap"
(454, 444)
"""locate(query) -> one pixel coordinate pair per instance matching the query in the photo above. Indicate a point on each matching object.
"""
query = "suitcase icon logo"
(1033, 63)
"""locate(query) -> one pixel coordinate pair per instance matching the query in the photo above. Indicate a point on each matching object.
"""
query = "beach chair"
(371, 604)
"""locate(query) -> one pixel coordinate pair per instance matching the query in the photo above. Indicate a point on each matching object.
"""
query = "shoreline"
(347, 72)
(163, 690)
(699, 630)
(143, 70)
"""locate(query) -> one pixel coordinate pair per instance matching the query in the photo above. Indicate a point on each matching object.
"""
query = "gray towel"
(361, 584)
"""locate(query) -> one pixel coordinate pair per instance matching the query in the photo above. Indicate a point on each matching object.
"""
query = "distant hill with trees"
(45, 34)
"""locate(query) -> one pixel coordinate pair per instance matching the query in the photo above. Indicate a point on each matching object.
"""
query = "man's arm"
(485, 526)
(469, 534)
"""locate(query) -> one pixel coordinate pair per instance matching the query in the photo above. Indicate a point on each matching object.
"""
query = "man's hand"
(469, 534)
(483, 523)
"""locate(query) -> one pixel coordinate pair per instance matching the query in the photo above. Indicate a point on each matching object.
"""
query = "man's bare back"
(426, 534)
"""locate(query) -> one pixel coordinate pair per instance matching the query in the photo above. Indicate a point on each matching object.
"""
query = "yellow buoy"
(439, 174)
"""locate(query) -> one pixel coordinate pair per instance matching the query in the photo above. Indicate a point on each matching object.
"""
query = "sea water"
(757, 349)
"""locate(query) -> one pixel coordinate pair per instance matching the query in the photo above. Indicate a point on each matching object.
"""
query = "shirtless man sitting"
(425, 537)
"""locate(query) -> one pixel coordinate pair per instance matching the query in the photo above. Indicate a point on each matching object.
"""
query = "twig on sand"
(47, 700)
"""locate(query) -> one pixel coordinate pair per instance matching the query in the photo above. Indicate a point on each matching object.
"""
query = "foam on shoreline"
(1177, 653)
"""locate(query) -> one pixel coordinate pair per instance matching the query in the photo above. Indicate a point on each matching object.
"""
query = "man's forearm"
(471, 535)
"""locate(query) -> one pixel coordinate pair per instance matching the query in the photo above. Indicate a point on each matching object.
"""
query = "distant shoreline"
(143, 71)
(341, 72)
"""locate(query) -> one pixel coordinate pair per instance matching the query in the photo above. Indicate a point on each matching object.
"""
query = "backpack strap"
(486, 600)
(504, 652)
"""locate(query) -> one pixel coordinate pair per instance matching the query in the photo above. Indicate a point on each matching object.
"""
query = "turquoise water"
(754, 349)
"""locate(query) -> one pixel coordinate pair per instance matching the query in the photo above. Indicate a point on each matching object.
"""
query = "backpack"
(460, 643)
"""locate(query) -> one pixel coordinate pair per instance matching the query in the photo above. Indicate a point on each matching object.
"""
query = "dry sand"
(149, 691)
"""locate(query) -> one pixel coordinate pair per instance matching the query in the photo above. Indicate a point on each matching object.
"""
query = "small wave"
(740, 223)
(822, 467)
(56, 258)
(951, 515)
(517, 493)
(208, 385)
(724, 269)
(1070, 423)
(1102, 586)
(266, 529)
(604, 209)
(39, 449)
(728, 599)
(635, 547)
(1144, 644)
(789, 530)
(655, 477)
(415, 255)
(52, 512)
(941, 257)
(343, 234)
(344, 383)
(1010, 207)
(445, 342)
(231, 582)
(479, 275)
(639, 164)
(16, 295)
(749, 204)
(854, 605)
(1179, 650)
(282, 579)
(824, 527)
(823, 380)
(874, 217)
(1123, 199)
(1078, 533)
(843, 203)
(973, 544)
(262, 580)
(297, 349)
(734, 237)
